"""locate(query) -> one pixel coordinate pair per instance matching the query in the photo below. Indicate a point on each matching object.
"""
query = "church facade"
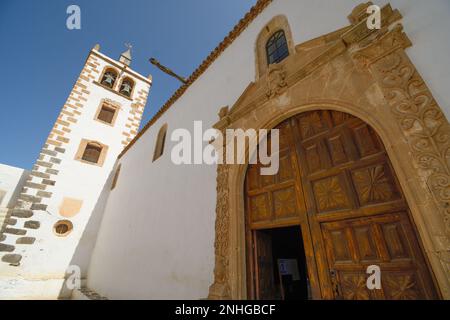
(363, 179)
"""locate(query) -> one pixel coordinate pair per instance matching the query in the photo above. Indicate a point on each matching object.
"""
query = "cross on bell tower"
(125, 57)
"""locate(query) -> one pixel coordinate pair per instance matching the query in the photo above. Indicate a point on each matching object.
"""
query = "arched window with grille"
(160, 142)
(126, 87)
(109, 78)
(277, 48)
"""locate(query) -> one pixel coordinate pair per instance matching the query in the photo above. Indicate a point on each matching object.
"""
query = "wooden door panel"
(313, 157)
(395, 240)
(265, 269)
(365, 245)
(336, 180)
(276, 199)
(374, 184)
(402, 285)
(338, 152)
(330, 194)
(260, 208)
(286, 169)
(352, 245)
(367, 142)
(285, 203)
(353, 286)
(311, 124)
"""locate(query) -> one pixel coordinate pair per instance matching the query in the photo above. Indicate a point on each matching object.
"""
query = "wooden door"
(264, 263)
(345, 195)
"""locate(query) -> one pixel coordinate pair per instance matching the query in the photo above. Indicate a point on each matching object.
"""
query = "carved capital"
(384, 45)
(360, 31)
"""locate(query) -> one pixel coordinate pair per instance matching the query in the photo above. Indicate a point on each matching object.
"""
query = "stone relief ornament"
(220, 288)
(276, 80)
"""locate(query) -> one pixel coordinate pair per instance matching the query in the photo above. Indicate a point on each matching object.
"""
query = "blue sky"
(41, 58)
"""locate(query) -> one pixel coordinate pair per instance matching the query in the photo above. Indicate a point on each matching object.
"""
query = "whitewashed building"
(364, 168)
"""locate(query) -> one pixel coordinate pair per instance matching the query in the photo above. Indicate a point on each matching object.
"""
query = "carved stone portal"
(365, 73)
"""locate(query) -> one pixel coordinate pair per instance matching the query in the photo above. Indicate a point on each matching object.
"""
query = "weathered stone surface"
(32, 224)
(39, 206)
(12, 259)
(44, 164)
(33, 185)
(55, 160)
(6, 248)
(49, 152)
(25, 240)
(48, 182)
(27, 197)
(44, 194)
(39, 174)
(10, 221)
(19, 232)
(91, 294)
(51, 171)
(22, 213)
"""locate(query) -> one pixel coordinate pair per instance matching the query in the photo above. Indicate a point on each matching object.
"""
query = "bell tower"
(53, 224)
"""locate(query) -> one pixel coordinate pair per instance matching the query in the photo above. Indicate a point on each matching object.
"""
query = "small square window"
(106, 114)
(92, 153)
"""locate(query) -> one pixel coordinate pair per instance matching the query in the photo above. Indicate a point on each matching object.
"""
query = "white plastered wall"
(157, 234)
(11, 182)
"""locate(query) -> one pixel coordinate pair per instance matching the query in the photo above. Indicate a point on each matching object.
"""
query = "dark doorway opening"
(281, 264)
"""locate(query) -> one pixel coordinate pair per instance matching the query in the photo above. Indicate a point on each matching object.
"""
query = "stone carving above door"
(276, 80)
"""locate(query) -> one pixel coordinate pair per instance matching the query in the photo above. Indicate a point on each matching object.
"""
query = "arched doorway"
(334, 208)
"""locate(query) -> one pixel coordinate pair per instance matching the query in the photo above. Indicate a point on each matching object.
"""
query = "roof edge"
(226, 42)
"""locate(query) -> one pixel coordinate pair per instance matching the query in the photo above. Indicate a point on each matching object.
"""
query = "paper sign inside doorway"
(289, 267)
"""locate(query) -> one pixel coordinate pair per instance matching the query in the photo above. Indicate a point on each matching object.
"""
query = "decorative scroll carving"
(419, 116)
(422, 121)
